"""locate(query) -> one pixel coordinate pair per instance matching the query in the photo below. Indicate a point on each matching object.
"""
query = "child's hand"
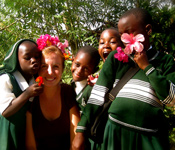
(34, 90)
(141, 59)
(92, 80)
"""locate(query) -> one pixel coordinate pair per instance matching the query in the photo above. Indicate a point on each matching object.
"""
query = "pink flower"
(132, 42)
(120, 55)
(48, 40)
(62, 46)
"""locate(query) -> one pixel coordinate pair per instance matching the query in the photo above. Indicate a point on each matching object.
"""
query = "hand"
(78, 142)
(141, 59)
(89, 81)
(34, 90)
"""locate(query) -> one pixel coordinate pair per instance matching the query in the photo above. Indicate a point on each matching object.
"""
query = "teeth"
(49, 79)
(105, 52)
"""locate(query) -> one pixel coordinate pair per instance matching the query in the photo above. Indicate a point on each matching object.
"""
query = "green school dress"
(136, 120)
(12, 129)
(81, 99)
(83, 96)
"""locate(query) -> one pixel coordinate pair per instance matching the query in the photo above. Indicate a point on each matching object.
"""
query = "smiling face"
(29, 59)
(131, 24)
(109, 41)
(82, 66)
(51, 69)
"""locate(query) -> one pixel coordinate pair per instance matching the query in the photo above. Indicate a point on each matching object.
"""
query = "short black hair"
(142, 14)
(93, 52)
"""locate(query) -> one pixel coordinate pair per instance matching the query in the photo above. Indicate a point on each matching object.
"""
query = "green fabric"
(10, 63)
(83, 97)
(117, 137)
(12, 129)
(137, 112)
(12, 132)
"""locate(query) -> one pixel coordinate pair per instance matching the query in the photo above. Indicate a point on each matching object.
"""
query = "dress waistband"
(132, 126)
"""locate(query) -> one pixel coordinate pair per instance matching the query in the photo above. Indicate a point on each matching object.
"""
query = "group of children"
(136, 120)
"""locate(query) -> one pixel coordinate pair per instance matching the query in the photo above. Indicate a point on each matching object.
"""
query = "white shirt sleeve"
(6, 95)
(6, 88)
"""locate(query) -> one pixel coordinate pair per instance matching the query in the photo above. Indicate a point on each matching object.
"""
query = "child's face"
(109, 41)
(82, 66)
(131, 24)
(51, 69)
(29, 58)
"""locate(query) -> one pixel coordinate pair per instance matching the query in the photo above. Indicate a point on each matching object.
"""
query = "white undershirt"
(80, 85)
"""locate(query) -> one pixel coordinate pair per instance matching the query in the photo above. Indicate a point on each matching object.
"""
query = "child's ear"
(149, 29)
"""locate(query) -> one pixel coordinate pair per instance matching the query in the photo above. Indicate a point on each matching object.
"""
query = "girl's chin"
(76, 79)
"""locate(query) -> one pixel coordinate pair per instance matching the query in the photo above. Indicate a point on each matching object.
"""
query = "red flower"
(39, 80)
(93, 78)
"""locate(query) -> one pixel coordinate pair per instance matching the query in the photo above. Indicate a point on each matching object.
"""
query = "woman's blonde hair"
(53, 49)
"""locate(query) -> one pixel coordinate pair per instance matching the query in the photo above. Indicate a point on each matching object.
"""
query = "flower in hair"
(120, 55)
(132, 42)
(48, 40)
(67, 55)
(62, 46)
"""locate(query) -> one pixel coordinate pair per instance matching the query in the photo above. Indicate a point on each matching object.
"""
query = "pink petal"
(128, 49)
(138, 47)
(139, 37)
(125, 59)
(126, 38)
(119, 49)
(66, 44)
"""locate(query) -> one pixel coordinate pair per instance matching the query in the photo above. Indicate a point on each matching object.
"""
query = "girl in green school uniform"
(135, 118)
(18, 88)
(84, 64)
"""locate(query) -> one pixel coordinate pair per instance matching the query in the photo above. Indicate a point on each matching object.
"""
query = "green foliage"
(67, 75)
(163, 29)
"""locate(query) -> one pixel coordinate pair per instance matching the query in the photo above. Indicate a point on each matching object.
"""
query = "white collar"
(22, 82)
(80, 85)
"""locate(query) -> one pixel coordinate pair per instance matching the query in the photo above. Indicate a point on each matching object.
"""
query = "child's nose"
(106, 44)
(33, 60)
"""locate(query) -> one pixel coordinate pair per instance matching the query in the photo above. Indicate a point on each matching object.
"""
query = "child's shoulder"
(165, 58)
(5, 77)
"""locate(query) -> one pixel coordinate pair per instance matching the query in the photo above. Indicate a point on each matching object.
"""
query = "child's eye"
(77, 64)
(27, 58)
(113, 42)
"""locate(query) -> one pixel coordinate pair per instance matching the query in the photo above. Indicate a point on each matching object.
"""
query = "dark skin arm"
(17, 103)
